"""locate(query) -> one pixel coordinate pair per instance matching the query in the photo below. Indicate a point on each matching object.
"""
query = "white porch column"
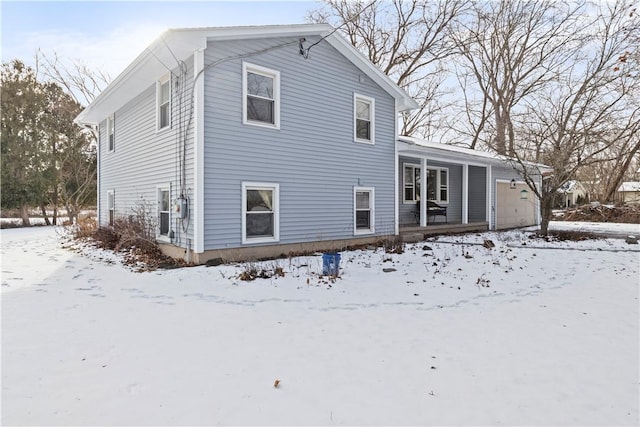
(465, 193)
(423, 192)
(489, 194)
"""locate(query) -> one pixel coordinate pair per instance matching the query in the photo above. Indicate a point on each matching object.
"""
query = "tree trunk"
(24, 214)
(546, 212)
(43, 209)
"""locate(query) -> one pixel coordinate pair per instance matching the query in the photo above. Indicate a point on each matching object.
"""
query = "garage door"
(515, 207)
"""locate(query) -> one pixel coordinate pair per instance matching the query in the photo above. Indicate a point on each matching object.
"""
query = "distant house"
(258, 141)
(629, 192)
(572, 193)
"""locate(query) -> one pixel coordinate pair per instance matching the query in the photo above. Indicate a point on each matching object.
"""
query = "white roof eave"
(420, 147)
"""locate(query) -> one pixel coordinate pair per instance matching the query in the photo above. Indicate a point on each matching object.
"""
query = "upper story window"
(163, 101)
(363, 118)
(260, 96)
(111, 132)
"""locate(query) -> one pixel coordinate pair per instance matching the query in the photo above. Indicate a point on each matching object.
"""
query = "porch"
(416, 233)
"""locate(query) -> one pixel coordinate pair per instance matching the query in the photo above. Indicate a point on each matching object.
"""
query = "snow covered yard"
(526, 333)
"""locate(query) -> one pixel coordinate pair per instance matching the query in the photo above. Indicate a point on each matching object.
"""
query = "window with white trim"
(363, 118)
(438, 185)
(111, 132)
(363, 210)
(164, 212)
(411, 183)
(111, 206)
(260, 96)
(163, 102)
(260, 213)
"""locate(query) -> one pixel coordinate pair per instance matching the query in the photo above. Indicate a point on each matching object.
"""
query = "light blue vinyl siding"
(145, 159)
(313, 156)
(477, 204)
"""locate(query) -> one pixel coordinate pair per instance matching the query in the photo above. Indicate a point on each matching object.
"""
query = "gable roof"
(181, 43)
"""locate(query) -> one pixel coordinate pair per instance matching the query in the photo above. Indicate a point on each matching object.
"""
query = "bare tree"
(507, 51)
(78, 80)
(408, 41)
(586, 111)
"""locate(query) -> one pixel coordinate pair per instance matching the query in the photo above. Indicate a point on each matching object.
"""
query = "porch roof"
(422, 148)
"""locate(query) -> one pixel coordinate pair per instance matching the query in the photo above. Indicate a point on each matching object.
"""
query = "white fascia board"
(148, 67)
(416, 146)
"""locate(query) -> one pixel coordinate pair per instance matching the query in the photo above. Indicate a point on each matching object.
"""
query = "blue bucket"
(331, 264)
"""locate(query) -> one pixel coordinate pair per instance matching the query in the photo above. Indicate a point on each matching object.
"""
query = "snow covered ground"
(526, 333)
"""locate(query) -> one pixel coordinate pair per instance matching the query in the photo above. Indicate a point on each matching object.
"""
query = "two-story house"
(249, 142)
(243, 138)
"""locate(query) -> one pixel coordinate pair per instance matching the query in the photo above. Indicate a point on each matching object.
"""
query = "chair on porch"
(433, 210)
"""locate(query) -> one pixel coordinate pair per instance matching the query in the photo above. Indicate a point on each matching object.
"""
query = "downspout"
(396, 199)
(198, 153)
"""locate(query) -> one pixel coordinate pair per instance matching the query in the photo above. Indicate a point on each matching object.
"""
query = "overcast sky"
(110, 34)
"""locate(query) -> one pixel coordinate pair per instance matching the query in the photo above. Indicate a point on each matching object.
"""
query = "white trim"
(372, 210)
(98, 174)
(537, 204)
(198, 153)
(160, 188)
(372, 118)
(465, 193)
(443, 159)
(423, 192)
(275, 188)
(267, 72)
(159, 83)
(489, 191)
(396, 180)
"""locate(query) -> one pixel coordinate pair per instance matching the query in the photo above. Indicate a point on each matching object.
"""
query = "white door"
(515, 206)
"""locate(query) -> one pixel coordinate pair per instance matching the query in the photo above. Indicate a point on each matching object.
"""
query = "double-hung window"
(411, 183)
(260, 212)
(111, 206)
(164, 212)
(363, 118)
(260, 96)
(363, 210)
(111, 132)
(438, 184)
(163, 100)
